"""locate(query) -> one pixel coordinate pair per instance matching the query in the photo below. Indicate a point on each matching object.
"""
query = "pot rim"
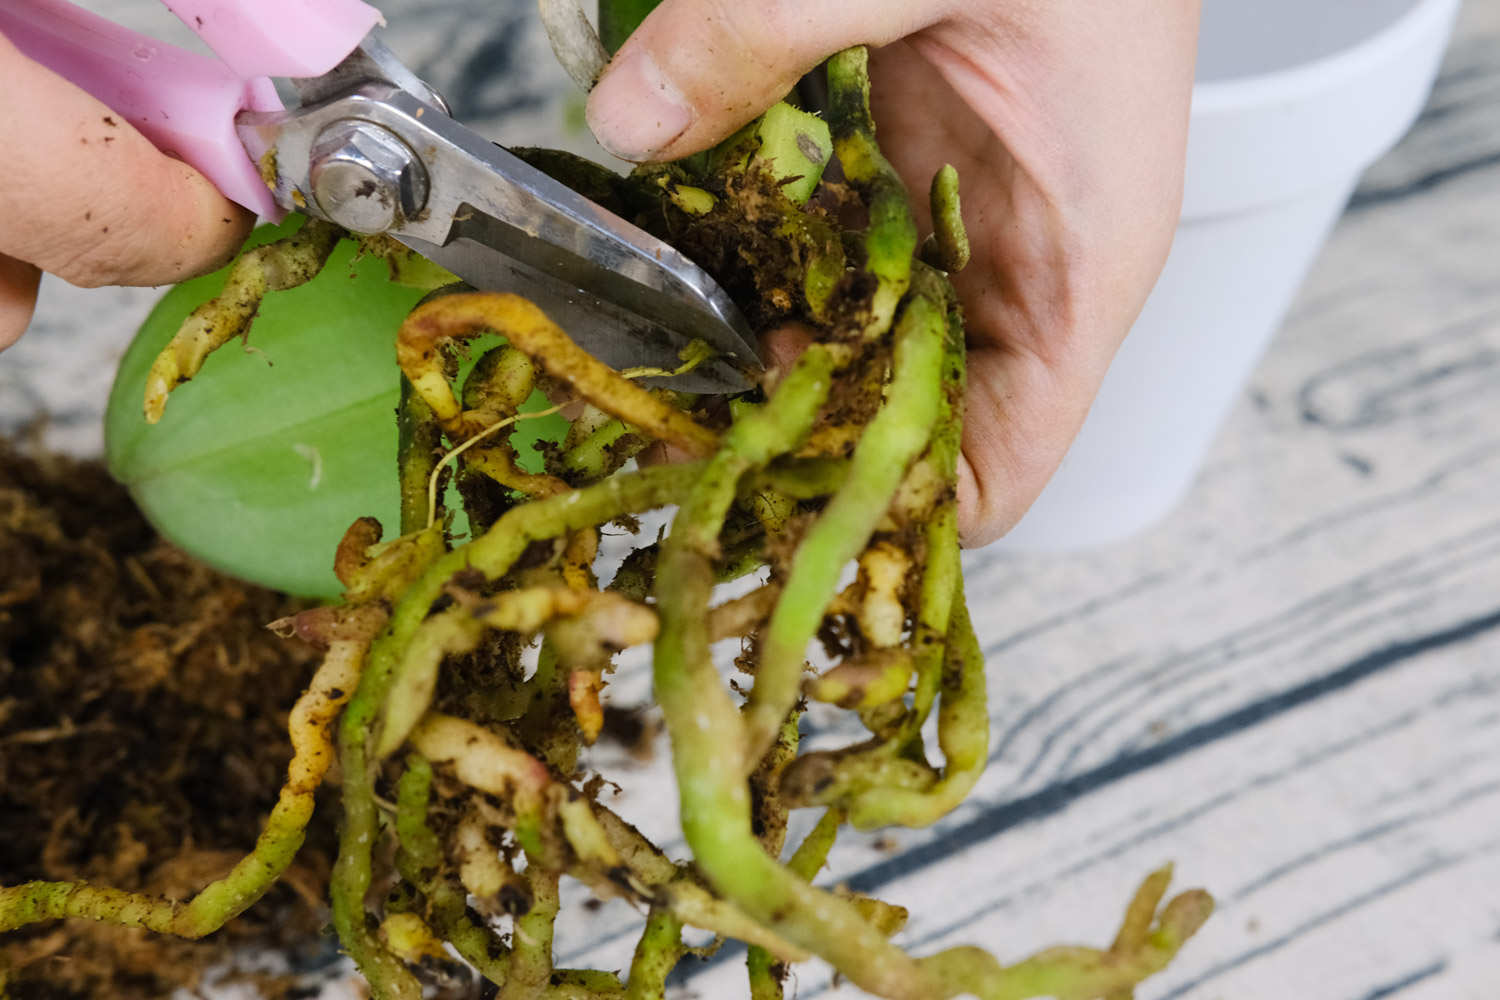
(1325, 73)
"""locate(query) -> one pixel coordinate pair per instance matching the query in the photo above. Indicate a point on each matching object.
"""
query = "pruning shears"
(363, 143)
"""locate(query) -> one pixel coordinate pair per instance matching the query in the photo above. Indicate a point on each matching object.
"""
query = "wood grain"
(1292, 688)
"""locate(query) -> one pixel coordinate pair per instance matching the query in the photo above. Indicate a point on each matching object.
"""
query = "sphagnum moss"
(848, 458)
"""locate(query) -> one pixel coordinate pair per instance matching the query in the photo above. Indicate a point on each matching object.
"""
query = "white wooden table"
(1291, 689)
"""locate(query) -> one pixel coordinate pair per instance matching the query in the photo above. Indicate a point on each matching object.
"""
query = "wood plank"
(1292, 688)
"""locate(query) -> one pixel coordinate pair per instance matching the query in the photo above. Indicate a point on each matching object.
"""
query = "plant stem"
(963, 735)
(766, 972)
(892, 440)
(891, 238)
(286, 263)
(715, 802)
(656, 955)
(528, 329)
(948, 247)
(531, 941)
(710, 765)
(491, 554)
(418, 441)
(420, 860)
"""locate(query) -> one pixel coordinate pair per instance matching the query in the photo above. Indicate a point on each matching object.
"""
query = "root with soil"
(461, 804)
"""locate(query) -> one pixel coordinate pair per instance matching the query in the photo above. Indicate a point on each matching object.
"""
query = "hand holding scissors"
(368, 146)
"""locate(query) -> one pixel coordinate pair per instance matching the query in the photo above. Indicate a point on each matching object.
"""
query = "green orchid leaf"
(265, 458)
(262, 461)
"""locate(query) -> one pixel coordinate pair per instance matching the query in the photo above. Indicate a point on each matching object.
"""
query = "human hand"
(1067, 124)
(88, 198)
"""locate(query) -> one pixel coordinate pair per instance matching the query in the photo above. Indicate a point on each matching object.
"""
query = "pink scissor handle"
(183, 102)
(296, 38)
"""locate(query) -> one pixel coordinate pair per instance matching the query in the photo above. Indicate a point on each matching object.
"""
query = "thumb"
(696, 70)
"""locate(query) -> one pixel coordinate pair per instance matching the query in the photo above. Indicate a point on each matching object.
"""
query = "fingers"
(88, 198)
(1069, 143)
(1021, 415)
(18, 283)
(696, 70)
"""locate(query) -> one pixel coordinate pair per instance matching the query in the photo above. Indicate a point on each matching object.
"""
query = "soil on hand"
(143, 711)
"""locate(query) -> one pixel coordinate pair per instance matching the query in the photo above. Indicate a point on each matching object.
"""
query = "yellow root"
(528, 329)
(742, 614)
(274, 267)
(884, 569)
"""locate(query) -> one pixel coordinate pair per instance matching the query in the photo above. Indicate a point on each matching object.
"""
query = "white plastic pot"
(1294, 99)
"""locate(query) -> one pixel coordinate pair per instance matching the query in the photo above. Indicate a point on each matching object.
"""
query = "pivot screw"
(365, 178)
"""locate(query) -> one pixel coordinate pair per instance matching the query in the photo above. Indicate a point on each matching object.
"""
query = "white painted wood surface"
(1291, 689)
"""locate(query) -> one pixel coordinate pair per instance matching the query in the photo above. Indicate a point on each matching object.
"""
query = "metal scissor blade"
(502, 225)
(612, 333)
(630, 298)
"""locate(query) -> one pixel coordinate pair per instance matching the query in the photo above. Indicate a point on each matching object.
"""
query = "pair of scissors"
(364, 144)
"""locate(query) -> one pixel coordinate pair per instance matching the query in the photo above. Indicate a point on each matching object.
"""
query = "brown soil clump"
(143, 711)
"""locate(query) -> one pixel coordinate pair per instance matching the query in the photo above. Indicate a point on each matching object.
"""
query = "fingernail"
(635, 112)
